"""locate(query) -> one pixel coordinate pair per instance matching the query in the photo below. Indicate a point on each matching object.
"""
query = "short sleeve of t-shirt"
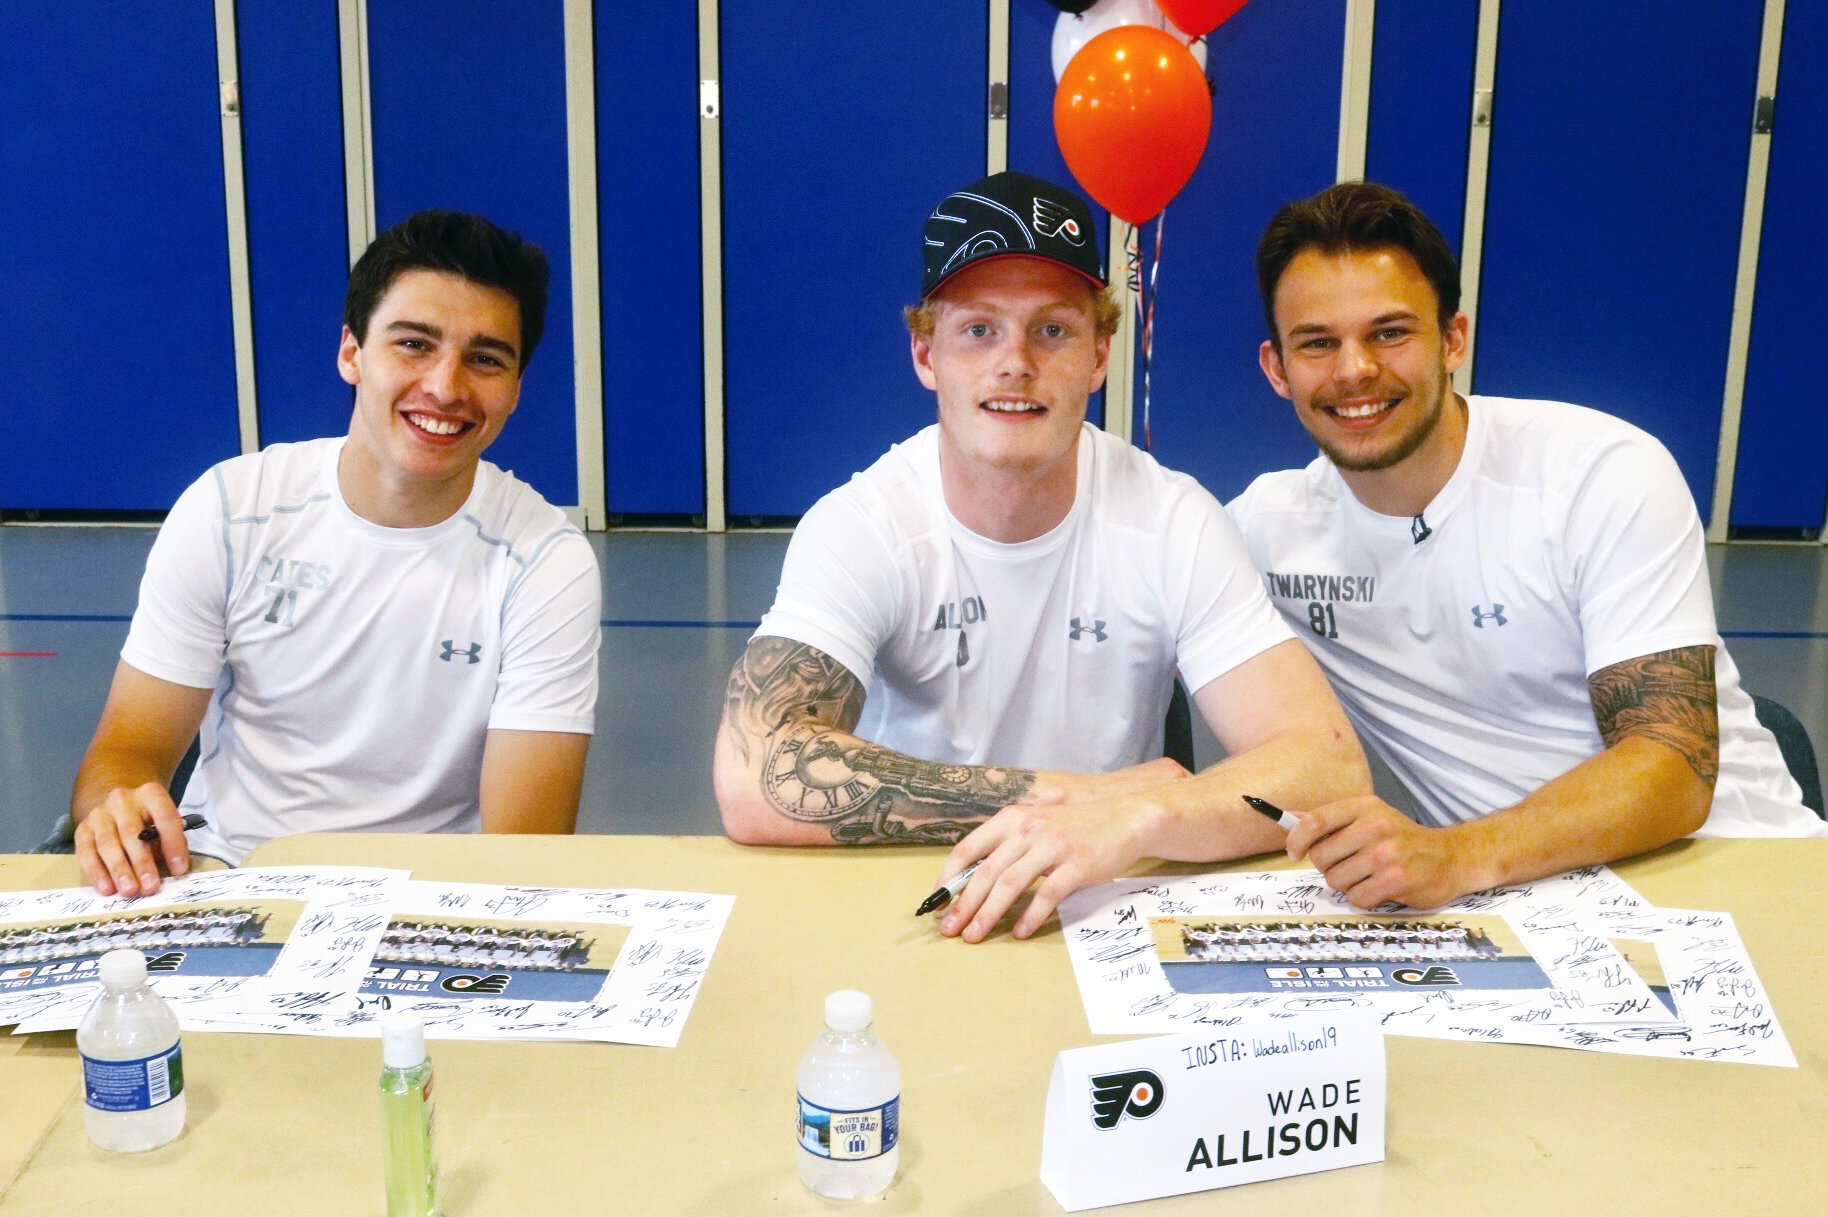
(180, 624)
(1638, 555)
(551, 627)
(1214, 594)
(839, 587)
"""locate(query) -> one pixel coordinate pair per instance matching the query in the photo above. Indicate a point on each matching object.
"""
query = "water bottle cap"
(402, 1039)
(122, 969)
(848, 1010)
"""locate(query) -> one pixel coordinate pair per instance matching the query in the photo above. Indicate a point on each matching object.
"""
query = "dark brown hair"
(458, 243)
(1355, 216)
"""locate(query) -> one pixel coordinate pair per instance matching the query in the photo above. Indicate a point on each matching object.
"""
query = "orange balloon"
(1132, 114)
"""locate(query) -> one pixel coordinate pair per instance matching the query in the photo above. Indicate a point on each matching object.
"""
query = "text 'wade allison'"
(1326, 1128)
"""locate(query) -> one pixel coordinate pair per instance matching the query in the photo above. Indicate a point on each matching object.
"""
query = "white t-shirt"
(357, 668)
(1055, 653)
(1564, 542)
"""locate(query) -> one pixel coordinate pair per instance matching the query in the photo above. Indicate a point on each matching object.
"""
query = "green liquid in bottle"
(406, 1123)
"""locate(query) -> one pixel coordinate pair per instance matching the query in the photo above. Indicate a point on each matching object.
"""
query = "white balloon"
(1073, 31)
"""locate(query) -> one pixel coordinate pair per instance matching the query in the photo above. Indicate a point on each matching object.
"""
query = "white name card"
(1267, 1098)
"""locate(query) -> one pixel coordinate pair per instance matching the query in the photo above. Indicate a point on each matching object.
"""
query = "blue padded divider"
(116, 262)
(1781, 480)
(469, 112)
(843, 126)
(1422, 55)
(647, 193)
(1618, 162)
(298, 227)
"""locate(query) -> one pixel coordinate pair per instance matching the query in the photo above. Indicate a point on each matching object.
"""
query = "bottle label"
(850, 1136)
(134, 1085)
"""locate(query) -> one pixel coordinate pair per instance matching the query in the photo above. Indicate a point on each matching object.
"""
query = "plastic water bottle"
(850, 1105)
(133, 1065)
(406, 1117)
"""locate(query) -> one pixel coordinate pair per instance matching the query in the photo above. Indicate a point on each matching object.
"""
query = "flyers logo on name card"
(1136, 1093)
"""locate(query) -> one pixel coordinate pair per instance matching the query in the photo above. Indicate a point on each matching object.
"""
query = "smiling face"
(435, 379)
(1366, 362)
(1013, 357)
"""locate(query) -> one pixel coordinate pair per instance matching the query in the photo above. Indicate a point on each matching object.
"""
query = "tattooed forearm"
(794, 706)
(779, 681)
(870, 794)
(1667, 697)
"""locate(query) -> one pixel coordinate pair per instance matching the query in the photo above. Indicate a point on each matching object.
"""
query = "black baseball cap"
(1009, 215)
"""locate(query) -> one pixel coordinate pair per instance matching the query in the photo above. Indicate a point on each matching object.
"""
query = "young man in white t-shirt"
(994, 612)
(1510, 597)
(379, 632)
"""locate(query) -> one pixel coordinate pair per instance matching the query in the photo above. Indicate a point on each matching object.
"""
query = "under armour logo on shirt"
(1480, 617)
(473, 654)
(1079, 629)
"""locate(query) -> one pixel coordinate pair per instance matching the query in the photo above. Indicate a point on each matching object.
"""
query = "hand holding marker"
(151, 831)
(948, 891)
(1265, 807)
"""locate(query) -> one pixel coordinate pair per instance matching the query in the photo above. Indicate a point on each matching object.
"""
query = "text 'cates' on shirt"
(1566, 541)
(1055, 653)
(357, 669)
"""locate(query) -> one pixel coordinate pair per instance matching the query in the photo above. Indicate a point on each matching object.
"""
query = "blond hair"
(1106, 313)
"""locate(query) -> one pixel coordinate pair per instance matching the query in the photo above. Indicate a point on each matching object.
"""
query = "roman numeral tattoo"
(1667, 697)
(793, 707)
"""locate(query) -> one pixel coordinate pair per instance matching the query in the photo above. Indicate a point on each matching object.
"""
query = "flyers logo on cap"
(1051, 219)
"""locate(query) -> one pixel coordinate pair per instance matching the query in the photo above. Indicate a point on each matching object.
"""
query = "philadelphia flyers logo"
(1435, 974)
(1053, 220)
(495, 982)
(1136, 1093)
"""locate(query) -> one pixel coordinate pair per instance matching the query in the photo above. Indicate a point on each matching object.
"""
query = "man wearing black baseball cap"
(975, 639)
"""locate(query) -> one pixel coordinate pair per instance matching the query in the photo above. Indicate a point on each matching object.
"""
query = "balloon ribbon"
(1145, 305)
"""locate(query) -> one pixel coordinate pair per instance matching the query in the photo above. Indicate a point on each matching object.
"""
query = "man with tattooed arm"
(977, 636)
(1510, 597)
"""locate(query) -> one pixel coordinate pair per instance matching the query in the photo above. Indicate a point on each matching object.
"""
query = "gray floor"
(678, 610)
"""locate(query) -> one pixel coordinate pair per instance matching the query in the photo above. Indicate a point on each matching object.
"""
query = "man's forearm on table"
(1204, 818)
(103, 771)
(1633, 797)
(859, 793)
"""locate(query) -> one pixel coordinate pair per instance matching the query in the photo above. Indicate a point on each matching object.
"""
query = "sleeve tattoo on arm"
(1667, 697)
(798, 706)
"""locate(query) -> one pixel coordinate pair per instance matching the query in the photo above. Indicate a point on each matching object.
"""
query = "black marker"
(944, 893)
(1264, 806)
(151, 831)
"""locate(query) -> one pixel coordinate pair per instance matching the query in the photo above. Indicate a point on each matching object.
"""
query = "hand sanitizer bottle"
(406, 1117)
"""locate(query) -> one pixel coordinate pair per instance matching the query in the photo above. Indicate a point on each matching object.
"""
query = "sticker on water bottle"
(850, 1136)
(137, 1085)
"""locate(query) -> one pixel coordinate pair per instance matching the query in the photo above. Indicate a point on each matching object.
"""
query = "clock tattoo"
(790, 708)
(811, 775)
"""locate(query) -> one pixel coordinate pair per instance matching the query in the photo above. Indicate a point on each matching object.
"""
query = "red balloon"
(1132, 114)
(1195, 18)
